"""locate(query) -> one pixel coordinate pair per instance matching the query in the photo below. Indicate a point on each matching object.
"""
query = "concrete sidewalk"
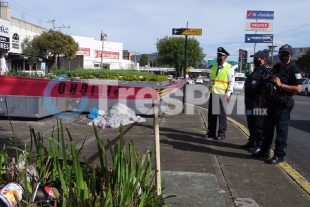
(198, 171)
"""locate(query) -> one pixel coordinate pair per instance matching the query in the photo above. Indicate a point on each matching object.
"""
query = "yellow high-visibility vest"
(219, 84)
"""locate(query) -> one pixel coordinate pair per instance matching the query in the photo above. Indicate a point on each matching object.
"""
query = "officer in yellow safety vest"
(220, 89)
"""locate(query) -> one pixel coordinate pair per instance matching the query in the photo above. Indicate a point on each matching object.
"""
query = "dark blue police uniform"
(279, 104)
(252, 91)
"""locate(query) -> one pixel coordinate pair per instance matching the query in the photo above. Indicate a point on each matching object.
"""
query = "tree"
(144, 60)
(30, 50)
(304, 62)
(171, 51)
(51, 44)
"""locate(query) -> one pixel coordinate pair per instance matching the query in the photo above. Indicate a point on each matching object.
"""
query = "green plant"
(128, 181)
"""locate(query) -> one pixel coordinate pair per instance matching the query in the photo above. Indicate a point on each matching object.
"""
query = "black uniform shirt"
(290, 74)
(253, 83)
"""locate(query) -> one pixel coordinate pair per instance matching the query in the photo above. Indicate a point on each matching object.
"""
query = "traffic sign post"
(186, 31)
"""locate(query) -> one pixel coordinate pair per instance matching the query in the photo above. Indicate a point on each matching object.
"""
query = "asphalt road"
(298, 140)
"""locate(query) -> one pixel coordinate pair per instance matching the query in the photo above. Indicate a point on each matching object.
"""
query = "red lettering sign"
(83, 51)
(260, 25)
(107, 54)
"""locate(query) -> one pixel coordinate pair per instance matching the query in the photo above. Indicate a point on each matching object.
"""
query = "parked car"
(239, 83)
(180, 79)
(190, 81)
(305, 87)
(169, 77)
(199, 80)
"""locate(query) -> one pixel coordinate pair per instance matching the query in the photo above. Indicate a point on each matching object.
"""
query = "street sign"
(212, 62)
(176, 31)
(230, 62)
(258, 38)
(188, 70)
(260, 14)
(191, 31)
(259, 26)
(186, 31)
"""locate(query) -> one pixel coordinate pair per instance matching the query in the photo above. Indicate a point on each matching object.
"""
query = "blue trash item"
(93, 113)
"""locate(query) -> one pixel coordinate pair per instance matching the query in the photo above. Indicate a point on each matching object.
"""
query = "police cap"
(261, 54)
(286, 48)
(222, 51)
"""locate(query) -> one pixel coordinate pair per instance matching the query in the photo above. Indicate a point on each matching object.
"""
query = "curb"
(297, 177)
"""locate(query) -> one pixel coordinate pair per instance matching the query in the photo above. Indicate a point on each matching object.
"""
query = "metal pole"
(102, 39)
(184, 73)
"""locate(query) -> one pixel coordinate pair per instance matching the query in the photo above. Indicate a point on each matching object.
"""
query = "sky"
(138, 24)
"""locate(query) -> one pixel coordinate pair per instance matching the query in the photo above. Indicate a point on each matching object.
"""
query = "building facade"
(13, 32)
(89, 55)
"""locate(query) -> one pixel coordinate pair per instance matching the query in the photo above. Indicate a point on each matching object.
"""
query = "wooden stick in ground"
(157, 146)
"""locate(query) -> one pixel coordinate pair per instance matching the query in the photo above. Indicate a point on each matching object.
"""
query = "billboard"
(258, 38)
(242, 59)
(250, 14)
(259, 26)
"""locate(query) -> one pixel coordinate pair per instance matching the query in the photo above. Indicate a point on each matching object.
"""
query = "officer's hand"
(277, 81)
(227, 98)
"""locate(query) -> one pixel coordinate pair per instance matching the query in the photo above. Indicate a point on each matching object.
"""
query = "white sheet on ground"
(117, 114)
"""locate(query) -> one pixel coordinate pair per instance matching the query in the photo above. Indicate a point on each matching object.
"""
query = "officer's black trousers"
(217, 111)
(278, 117)
(255, 122)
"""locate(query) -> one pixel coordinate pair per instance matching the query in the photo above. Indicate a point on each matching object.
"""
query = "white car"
(199, 80)
(305, 87)
(190, 81)
(239, 83)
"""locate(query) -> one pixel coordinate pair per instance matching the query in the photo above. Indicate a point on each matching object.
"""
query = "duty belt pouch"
(283, 99)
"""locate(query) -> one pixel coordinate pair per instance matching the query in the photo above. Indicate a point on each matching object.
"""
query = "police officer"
(220, 89)
(252, 92)
(281, 84)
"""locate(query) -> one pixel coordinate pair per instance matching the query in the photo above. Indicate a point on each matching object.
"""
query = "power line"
(290, 30)
(36, 15)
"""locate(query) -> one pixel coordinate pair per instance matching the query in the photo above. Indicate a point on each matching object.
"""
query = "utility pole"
(271, 50)
(54, 25)
(102, 39)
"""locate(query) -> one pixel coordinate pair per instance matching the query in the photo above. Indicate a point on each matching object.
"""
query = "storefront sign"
(107, 54)
(4, 35)
(83, 51)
